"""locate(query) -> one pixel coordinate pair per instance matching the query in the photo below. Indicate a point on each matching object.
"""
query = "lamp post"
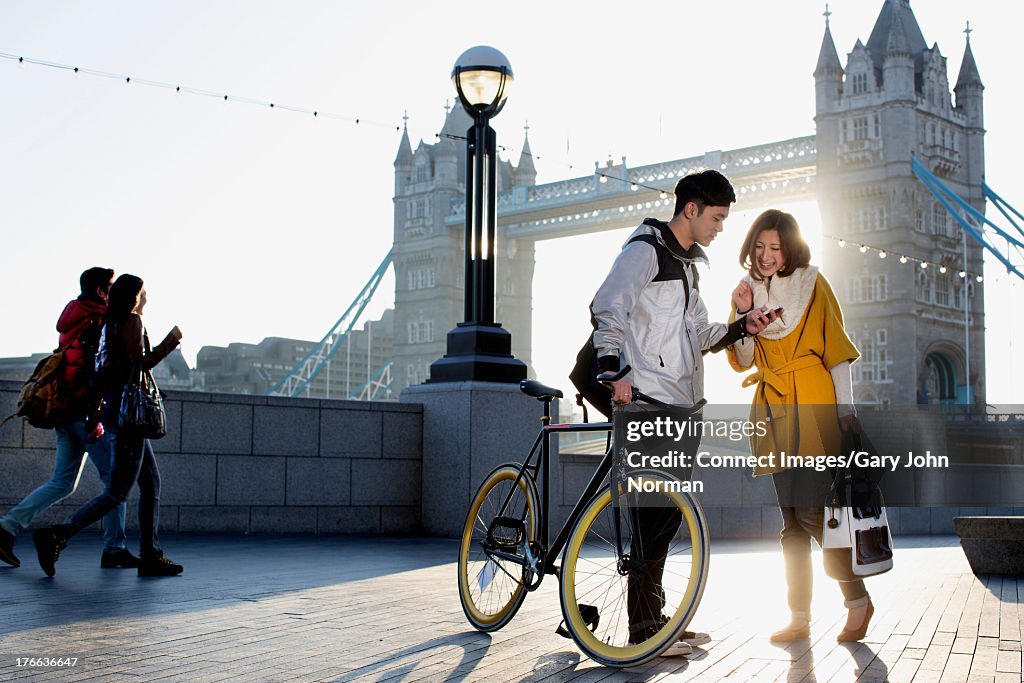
(479, 349)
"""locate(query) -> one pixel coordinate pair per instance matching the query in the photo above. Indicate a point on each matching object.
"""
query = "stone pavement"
(301, 608)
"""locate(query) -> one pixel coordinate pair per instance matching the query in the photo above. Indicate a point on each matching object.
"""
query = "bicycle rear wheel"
(492, 588)
(595, 584)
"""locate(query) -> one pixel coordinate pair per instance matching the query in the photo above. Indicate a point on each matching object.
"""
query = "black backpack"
(585, 371)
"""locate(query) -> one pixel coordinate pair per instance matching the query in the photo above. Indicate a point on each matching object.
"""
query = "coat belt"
(780, 379)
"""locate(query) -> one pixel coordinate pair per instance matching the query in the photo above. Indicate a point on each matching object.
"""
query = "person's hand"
(743, 296)
(850, 422)
(175, 333)
(622, 391)
(760, 318)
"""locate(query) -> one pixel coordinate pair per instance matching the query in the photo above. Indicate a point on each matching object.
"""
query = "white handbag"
(856, 542)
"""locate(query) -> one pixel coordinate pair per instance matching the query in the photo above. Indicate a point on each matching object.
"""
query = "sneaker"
(159, 566)
(677, 649)
(118, 559)
(695, 638)
(48, 546)
(7, 549)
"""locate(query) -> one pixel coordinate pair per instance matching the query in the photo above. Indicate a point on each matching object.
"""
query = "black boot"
(158, 565)
(121, 558)
(7, 548)
(49, 542)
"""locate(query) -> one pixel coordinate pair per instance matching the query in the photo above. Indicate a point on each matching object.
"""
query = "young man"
(79, 327)
(649, 315)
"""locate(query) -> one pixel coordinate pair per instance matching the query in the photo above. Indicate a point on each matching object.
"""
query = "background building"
(254, 368)
(172, 373)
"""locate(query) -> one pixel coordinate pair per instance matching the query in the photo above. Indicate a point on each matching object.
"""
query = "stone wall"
(254, 464)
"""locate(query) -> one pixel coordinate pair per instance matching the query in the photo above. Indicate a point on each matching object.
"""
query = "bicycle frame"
(539, 463)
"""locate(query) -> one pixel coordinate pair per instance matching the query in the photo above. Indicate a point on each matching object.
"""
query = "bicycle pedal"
(590, 615)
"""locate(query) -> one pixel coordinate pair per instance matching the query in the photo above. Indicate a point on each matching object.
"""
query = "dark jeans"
(799, 526)
(655, 527)
(134, 461)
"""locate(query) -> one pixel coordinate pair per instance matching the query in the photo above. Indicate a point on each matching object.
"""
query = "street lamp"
(480, 349)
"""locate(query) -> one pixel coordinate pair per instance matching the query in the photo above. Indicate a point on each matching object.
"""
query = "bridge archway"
(942, 375)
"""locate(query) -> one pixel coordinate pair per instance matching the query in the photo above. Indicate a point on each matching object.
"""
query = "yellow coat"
(795, 395)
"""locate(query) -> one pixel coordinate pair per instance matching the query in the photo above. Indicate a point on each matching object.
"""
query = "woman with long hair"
(803, 394)
(127, 346)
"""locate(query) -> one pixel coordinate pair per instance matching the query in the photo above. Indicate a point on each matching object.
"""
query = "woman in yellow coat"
(804, 394)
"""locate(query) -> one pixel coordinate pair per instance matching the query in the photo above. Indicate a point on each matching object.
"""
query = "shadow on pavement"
(219, 570)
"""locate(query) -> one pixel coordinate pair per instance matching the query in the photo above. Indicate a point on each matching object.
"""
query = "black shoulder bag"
(142, 409)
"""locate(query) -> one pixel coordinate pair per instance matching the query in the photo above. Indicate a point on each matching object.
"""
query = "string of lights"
(903, 258)
(129, 80)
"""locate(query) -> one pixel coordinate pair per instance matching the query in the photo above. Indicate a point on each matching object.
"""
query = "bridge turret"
(448, 171)
(828, 73)
(403, 161)
(970, 104)
(898, 63)
(968, 88)
(526, 172)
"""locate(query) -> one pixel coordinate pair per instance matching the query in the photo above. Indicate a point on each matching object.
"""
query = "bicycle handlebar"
(606, 378)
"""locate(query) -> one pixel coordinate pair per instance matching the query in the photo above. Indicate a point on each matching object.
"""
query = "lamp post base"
(480, 352)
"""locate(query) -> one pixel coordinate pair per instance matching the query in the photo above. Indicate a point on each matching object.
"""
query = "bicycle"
(505, 551)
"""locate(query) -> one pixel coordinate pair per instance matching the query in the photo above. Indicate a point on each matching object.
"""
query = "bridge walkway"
(302, 608)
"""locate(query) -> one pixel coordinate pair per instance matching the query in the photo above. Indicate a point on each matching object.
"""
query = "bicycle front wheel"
(626, 611)
(503, 519)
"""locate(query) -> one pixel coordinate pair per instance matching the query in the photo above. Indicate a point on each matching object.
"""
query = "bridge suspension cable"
(377, 384)
(973, 221)
(306, 370)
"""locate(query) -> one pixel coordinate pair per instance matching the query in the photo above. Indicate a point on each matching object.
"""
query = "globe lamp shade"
(482, 76)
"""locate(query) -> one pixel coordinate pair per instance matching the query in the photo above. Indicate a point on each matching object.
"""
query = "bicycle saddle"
(541, 392)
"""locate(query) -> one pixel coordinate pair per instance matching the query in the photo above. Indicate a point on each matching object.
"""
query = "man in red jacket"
(79, 327)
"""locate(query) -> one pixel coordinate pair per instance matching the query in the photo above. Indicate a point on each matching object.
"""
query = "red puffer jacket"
(79, 326)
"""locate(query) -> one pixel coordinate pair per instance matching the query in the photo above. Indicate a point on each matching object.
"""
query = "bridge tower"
(429, 255)
(891, 101)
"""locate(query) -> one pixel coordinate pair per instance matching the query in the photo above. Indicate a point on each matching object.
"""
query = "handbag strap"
(138, 370)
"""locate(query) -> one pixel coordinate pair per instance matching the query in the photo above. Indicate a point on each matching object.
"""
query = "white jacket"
(648, 325)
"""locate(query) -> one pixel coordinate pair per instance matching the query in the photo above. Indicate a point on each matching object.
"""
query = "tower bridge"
(616, 196)
(920, 331)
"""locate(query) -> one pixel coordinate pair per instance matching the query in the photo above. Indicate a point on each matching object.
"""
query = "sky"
(248, 222)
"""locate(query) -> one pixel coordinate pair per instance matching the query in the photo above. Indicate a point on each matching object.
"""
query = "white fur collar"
(792, 292)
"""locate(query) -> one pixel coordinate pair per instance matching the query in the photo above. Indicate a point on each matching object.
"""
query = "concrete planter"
(993, 545)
